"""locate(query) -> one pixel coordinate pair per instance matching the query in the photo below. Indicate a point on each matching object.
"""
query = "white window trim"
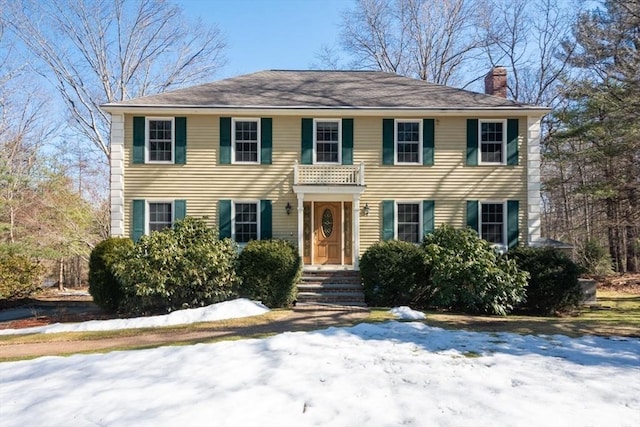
(233, 219)
(502, 247)
(173, 140)
(315, 141)
(504, 141)
(420, 219)
(147, 212)
(395, 141)
(233, 139)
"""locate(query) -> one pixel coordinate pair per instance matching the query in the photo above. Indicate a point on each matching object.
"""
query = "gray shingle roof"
(323, 89)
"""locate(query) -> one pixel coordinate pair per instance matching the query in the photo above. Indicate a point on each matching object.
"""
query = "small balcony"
(348, 175)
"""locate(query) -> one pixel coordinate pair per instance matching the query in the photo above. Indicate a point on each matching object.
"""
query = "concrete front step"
(329, 287)
(340, 287)
(342, 298)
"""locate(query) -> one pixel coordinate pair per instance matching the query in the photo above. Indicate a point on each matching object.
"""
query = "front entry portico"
(329, 215)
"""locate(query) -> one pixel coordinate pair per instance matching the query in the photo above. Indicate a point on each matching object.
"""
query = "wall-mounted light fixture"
(366, 209)
(288, 208)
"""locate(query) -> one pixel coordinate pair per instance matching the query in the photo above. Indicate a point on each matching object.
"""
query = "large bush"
(394, 273)
(553, 283)
(269, 271)
(469, 275)
(104, 287)
(180, 267)
(19, 276)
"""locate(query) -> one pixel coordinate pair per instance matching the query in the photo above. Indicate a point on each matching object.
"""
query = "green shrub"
(394, 273)
(553, 283)
(269, 271)
(469, 275)
(594, 258)
(180, 267)
(104, 287)
(19, 276)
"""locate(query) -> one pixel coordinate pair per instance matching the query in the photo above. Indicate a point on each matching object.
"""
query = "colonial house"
(332, 161)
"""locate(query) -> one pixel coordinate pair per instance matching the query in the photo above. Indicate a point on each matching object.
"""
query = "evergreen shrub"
(269, 271)
(394, 273)
(468, 275)
(181, 267)
(19, 276)
(104, 287)
(553, 283)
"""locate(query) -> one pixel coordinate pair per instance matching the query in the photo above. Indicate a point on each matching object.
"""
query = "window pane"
(409, 222)
(246, 222)
(160, 140)
(491, 142)
(246, 137)
(159, 216)
(493, 222)
(327, 142)
(408, 142)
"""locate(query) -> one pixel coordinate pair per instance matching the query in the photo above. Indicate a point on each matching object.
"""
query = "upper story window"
(327, 141)
(245, 225)
(246, 140)
(408, 222)
(408, 141)
(492, 141)
(160, 140)
(160, 216)
(492, 222)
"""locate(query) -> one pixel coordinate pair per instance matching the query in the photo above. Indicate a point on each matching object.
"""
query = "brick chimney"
(495, 82)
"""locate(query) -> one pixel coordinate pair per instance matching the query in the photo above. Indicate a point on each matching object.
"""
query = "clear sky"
(270, 34)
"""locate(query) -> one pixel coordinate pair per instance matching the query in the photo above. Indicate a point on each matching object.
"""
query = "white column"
(356, 231)
(533, 179)
(301, 224)
(116, 157)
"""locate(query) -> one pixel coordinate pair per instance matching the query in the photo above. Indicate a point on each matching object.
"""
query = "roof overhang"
(322, 111)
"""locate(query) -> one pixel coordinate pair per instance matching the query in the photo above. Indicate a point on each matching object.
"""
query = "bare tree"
(526, 37)
(97, 51)
(432, 40)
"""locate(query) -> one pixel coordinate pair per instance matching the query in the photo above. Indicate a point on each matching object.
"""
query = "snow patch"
(406, 313)
(225, 310)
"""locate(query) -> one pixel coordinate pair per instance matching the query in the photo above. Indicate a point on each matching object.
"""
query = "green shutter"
(179, 209)
(428, 141)
(138, 139)
(225, 140)
(388, 222)
(472, 214)
(472, 142)
(347, 141)
(387, 141)
(224, 219)
(137, 219)
(512, 222)
(512, 141)
(265, 220)
(181, 141)
(266, 140)
(307, 142)
(428, 216)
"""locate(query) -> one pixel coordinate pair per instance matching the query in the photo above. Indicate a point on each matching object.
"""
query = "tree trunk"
(61, 275)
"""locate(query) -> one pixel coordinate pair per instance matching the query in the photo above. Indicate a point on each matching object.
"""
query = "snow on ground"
(388, 374)
(224, 310)
(406, 313)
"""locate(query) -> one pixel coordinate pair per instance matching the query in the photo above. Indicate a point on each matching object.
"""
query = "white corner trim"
(116, 157)
(533, 179)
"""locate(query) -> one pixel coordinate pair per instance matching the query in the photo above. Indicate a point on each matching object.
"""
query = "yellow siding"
(202, 181)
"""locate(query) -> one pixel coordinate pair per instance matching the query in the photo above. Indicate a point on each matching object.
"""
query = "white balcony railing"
(328, 174)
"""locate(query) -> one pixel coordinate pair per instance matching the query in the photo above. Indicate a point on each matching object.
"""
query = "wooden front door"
(327, 233)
